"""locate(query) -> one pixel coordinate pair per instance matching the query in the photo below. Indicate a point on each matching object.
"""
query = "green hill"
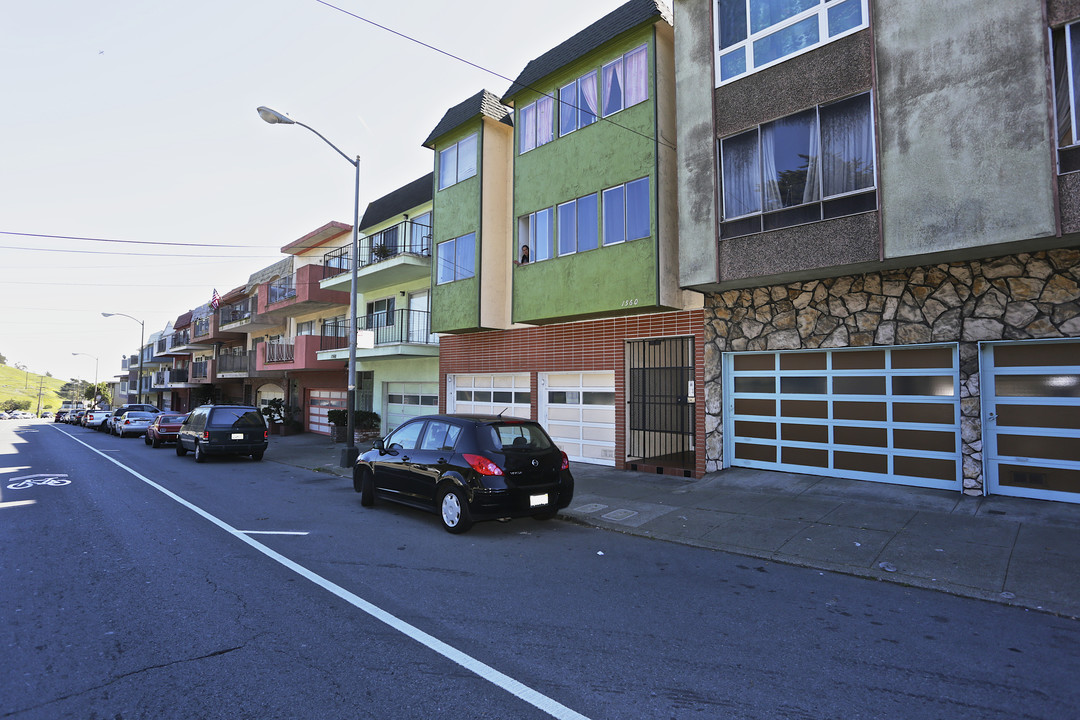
(21, 386)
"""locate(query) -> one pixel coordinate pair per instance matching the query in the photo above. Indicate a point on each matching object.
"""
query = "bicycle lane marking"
(542, 702)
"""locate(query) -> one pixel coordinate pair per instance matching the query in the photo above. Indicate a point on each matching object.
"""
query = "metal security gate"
(660, 402)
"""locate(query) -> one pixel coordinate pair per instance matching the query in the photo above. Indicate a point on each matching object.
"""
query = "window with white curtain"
(578, 105)
(537, 231)
(754, 34)
(811, 157)
(536, 121)
(626, 81)
(457, 162)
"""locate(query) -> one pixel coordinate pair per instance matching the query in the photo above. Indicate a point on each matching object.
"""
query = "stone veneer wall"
(1015, 297)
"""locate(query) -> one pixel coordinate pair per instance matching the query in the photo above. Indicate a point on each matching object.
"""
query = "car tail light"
(565, 462)
(482, 465)
(266, 434)
(127, 422)
(205, 434)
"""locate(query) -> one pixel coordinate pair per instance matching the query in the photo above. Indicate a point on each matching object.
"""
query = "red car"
(164, 429)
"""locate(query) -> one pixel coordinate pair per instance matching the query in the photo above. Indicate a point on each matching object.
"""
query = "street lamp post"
(95, 368)
(349, 454)
(142, 339)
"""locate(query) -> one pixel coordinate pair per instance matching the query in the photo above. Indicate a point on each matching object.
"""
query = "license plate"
(538, 500)
(238, 436)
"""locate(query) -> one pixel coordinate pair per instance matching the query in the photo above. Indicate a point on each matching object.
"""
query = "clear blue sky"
(133, 120)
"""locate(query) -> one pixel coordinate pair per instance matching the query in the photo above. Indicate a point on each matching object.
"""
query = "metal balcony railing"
(235, 312)
(405, 238)
(399, 326)
(279, 352)
(282, 289)
(201, 327)
(179, 375)
(231, 363)
(199, 369)
(337, 261)
(180, 337)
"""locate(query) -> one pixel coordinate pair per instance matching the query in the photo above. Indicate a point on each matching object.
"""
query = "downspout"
(656, 167)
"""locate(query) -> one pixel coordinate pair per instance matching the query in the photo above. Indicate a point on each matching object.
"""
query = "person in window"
(524, 255)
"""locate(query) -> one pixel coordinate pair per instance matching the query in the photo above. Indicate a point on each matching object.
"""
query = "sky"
(135, 121)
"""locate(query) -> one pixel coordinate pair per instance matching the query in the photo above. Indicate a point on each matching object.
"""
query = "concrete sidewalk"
(1008, 550)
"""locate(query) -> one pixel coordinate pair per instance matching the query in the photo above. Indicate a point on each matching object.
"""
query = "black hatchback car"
(466, 468)
(223, 430)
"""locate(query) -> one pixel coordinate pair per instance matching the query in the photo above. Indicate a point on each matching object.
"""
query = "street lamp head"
(273, 116)
(105, 314)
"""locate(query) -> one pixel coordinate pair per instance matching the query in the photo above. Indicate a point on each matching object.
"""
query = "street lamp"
(349, 454)
(95, 368)
(142, 339)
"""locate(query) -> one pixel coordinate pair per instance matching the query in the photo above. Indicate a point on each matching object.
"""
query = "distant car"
(59, 416)
(111, 421)
(164, 429)
(223, 430)
(466, 468)
(134, 422)
(4, 415)
(46, 415)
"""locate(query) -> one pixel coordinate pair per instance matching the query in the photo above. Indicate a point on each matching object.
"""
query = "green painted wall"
(609, 152)
(455, 306)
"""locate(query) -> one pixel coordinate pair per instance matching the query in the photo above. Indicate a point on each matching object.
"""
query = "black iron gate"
(660, 397)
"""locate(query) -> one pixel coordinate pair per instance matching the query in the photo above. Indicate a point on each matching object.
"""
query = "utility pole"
(40, 390)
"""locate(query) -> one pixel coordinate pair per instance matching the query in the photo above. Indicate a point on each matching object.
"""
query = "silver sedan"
(134, 423)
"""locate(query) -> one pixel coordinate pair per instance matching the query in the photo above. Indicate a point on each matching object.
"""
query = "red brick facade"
(592, 345)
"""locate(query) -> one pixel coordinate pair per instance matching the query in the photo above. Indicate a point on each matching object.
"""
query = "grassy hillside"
(18, 385)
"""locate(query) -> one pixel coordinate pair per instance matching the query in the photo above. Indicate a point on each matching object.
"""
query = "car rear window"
(224, 418)
(171, 419)
(519, 436)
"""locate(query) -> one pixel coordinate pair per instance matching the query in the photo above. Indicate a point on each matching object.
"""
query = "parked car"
(134, 423)
(111, 421)
(164, 429)
(467, 468)
(223, 430)
(94, 418)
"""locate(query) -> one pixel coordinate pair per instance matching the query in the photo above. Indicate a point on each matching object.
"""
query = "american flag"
(216, 300)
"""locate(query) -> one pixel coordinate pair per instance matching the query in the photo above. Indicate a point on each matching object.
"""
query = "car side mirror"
(377, 444)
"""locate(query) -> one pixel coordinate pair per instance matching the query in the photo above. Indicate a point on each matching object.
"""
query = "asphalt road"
(152, 587)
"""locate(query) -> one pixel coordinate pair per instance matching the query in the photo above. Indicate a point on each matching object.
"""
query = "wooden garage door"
(578, 412)
(1031, 419)
(883, 414)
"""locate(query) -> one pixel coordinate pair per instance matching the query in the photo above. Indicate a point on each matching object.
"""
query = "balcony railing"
(282, 289)
(180, 337)
(237, 311)
(334, 337)
(405, 238)
(201, 327)
(178, 375)
(399, 326)
(279, 352)
(163, 345)
(231, 363)
(337, 261)
(161, 378)
(199, 369)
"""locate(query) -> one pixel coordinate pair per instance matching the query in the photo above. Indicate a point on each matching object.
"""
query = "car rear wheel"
(156, 442)
(257, 455)
(453, 512)
(365, 485)
(200, 456)
(180, 449)
(146, 438)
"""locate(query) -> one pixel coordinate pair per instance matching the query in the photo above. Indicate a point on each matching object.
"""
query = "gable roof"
(403, 199)
(482, 104)
(623, 18)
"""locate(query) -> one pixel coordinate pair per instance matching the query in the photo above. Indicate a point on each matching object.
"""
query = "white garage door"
(1031, 419)
(406, 400)
(884, 414)
(320, 402)
(578, 411)
(489, 394)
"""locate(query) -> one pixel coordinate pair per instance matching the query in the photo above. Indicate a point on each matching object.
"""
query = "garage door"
(406, 400)
(578, 411)
(883, 414)
(489, 394)
(1031, 419)
(319, 403)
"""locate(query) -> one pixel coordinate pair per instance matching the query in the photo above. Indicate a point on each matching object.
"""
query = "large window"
(536, 231)
(1066, 42)
(457, 162)
(578, 225)
(577, 104)
(809, 166)
(626, 212)
(537, 124)
(626, 81)
(456, 259)
(754, 34)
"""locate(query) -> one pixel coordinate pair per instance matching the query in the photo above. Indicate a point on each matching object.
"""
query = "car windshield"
(238, 418)
(519, 436)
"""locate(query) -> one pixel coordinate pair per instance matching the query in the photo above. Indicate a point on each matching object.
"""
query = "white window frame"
(746, 46)
(529, 120)
(604, 194)
(592, 76)
(460, 171)
(621, 62)
(527, 233)
(577, 225)
(457, 274)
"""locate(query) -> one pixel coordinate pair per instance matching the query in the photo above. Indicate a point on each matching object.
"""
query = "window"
(536, 231)
(754, 34)
(456, 259)
(420, 234)
(805, 167)
(578, 225)
(457, 162)
(537, 124)
(380, 313)
(1066, 42)
(305, 328)
(577, 104)
(626, 212)
(405, 437)
(626, 81)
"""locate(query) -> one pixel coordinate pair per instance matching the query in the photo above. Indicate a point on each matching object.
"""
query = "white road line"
(485, 672)
(271, 532)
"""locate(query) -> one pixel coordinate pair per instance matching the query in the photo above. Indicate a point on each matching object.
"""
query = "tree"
(13, 405)
(3, 360)
(102, 388)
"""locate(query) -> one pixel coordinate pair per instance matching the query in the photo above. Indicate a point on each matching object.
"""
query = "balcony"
(399, 254)
(201, 372)
(180, 343)
(205, 331)
(232, 365)
(297, 294)
(402, 333)
(297, 353)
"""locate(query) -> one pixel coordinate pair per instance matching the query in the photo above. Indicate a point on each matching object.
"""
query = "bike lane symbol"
(27, 481)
